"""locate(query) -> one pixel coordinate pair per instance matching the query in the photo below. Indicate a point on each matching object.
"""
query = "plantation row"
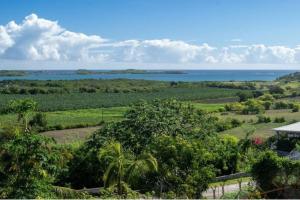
(53, 102)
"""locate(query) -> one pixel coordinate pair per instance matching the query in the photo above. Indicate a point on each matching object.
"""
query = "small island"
(128, 71)
(12, 73)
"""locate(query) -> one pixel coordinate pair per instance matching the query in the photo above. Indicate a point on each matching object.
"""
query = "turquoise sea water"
(189, 75)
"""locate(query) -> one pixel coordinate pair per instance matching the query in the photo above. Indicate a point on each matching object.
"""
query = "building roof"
(289, 128)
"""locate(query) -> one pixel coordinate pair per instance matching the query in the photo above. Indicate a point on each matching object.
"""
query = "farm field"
(92, 117)
(85, 117)
(263, 130)
(58, 102)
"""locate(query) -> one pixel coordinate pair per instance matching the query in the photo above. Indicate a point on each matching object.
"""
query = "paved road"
(227, 188)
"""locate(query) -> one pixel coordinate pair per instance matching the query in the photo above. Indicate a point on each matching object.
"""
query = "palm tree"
(122, 167)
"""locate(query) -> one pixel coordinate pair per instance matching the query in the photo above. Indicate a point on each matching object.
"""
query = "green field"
(85, 117)
(91, 117)
(209, 107)
(263, 130)
(72, 101)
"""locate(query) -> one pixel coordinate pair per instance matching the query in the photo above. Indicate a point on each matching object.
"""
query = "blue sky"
(152, 32)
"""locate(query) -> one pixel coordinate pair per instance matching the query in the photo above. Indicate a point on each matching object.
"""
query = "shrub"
(295, 108)
(253, 106)
(236, 123)
(263, 119)
(279, 120)
(58, 127)
(267, 105)
(39, 120)
(281, 105)
(275, 89)
(294, 94)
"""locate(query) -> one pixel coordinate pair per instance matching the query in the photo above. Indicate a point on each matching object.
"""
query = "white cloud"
(38, 39)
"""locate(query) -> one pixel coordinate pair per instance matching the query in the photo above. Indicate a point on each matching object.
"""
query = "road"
(227, 189)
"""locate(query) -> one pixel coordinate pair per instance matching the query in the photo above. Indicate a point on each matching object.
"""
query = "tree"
(253, 107)
(274, 175)
(185, 167)
(28, 165)
(141, 125)
(276, 89)
(244, 96)
(122, 167)
(144, 121)
(23, 107)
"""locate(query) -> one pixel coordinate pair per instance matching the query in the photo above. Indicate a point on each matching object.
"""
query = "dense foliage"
(28, 166)
(277, 177)
(183, 140)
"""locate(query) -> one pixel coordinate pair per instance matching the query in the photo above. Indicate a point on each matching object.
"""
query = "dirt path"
(71, 135)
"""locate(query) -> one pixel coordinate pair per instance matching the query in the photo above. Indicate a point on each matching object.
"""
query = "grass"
(87, 117)
(91, 117)
(209, 107)
(263, 130)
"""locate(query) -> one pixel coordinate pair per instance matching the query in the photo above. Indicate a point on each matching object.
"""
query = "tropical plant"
(28, 165)
(123, 168)
(22, 107)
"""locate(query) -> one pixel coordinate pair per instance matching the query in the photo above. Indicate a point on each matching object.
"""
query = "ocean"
(188, 75)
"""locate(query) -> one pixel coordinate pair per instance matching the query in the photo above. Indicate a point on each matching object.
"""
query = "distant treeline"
(290, 77)
(128, 71)
(107, 86)
(12, 73)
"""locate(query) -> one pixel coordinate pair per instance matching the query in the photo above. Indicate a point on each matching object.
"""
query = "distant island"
(12, 73)
(128, 71)
(290, 77)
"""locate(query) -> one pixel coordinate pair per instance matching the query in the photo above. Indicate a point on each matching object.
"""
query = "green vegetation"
(53, 102)
(12, 73)
(290, 77)
(150, 140)
(277, 177)
(127, 71)
(73, 118)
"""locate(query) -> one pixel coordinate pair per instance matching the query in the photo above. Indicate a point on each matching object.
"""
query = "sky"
(150, 34)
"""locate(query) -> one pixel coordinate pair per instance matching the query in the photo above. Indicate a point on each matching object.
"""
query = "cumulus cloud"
(38, 39)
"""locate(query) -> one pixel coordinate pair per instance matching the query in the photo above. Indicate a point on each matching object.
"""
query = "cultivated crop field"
(71, 118)
(55, 102)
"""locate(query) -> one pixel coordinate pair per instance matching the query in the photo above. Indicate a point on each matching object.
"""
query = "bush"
(281, 105)
(267, 105)
(236, 123)
(279, 120)
(295, 108)
(253, 106)
(39, 120)
(223, 126)
(275, 89)
(58, 127)
(263, 119)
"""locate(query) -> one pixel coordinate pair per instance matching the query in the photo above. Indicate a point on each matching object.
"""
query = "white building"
(291, 130)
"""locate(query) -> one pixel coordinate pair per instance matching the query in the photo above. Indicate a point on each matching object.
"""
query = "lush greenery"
(53, 102)
(155, 148)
